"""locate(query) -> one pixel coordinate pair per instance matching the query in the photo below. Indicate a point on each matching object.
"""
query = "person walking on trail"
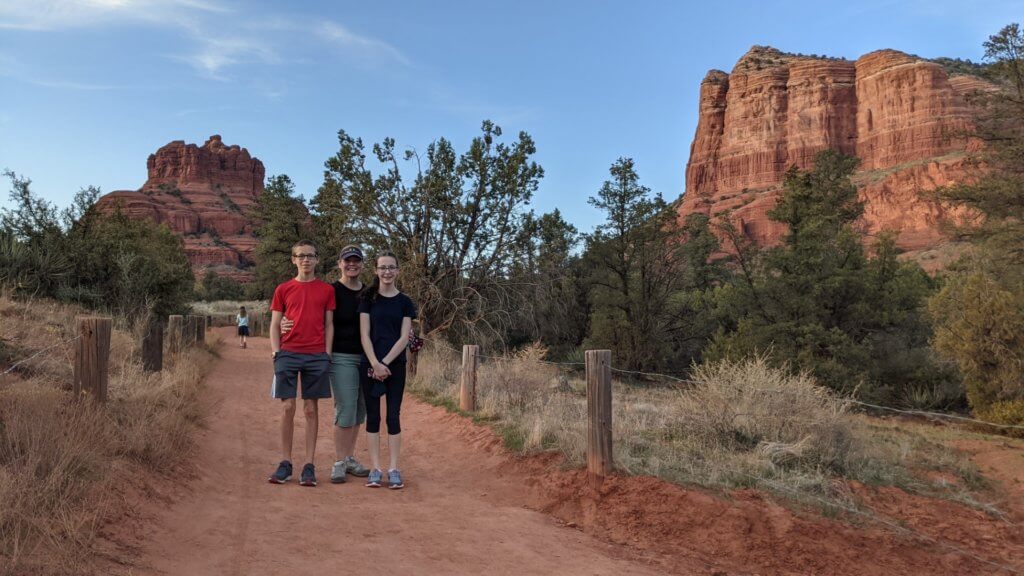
(346, 359)
(242, 319)
(304, 350)
(385, 322)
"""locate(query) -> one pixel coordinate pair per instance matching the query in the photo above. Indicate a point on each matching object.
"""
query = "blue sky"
(89, 88)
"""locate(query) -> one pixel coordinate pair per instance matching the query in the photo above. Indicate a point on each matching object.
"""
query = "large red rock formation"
(204, 194)
(902, 116)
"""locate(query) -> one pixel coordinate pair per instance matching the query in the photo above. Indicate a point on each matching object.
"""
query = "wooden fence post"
(599, 415)
(467, 384)
(92, 357)
(175, 324)
(188, 331)
(153, 347)
(200, 330)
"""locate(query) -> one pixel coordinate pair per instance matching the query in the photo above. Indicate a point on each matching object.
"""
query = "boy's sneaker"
(308, 477)
(338, 472)
(283, 474)
(374, 479)
(355, 468)
(395, 479)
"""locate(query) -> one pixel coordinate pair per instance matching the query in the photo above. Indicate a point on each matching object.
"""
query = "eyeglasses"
(387, 268)
(304, 256)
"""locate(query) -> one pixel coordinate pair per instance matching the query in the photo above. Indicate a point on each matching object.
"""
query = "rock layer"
(204, 194)
(902, 116)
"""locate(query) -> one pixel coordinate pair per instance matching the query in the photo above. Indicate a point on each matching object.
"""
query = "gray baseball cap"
(350, 251)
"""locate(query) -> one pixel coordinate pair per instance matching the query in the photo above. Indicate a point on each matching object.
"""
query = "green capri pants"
(349, 407)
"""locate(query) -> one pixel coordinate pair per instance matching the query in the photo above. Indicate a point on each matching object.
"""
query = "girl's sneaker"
(374, 479)
(395, 479)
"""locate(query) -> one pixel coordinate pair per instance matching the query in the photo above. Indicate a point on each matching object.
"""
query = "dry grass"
(738, 425)
(221, 307)
(59, 458)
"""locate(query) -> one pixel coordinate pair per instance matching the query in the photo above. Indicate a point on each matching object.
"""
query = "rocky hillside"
(203, 193)
(899, 114)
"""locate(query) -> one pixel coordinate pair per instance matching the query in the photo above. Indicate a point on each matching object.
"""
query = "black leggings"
(395, 389)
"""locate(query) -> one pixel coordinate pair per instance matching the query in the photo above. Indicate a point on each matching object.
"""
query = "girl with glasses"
(385, 322)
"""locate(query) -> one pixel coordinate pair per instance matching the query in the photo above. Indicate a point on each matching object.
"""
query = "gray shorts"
(315, 371)
(349, 407)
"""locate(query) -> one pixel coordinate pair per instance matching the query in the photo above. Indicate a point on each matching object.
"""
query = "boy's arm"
(275, 331)
(329, 330)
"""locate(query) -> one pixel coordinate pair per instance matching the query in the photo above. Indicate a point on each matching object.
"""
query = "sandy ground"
(470, 507)
(462, 510)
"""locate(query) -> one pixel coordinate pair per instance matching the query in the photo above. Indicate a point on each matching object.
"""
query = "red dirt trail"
(470, 507)
(458, 513)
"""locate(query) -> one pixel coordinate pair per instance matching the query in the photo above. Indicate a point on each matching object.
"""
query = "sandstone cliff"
(203, 193)
(901, 115)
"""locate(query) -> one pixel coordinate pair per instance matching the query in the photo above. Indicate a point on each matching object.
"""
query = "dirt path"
(462, 511)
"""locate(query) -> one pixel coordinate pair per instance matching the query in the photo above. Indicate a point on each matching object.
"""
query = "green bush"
(980, 325)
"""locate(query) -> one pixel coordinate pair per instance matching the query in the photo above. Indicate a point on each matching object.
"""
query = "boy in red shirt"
(305, 350)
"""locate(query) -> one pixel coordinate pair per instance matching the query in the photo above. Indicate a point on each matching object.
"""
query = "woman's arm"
(403, 340)
(329, 330)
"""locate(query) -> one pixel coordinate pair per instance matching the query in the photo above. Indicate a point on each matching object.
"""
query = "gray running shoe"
(395, 480)
(283, 473)
(355, 468)
(338, 472)
(374, 480)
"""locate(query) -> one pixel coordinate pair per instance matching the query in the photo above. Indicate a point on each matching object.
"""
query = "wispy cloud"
(62, 14)
(365, 46)
(70, 85)
(218, 37)
(213, 55)
(13, 68)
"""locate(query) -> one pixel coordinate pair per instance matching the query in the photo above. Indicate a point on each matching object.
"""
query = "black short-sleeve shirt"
(386, 315)
(346, 320)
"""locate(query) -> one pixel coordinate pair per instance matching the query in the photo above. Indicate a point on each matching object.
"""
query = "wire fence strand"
(912, 412)
(43, 351)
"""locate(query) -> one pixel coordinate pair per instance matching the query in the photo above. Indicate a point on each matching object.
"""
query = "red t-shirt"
(305, 303)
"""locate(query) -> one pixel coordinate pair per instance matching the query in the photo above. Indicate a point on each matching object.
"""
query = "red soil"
(471, 507)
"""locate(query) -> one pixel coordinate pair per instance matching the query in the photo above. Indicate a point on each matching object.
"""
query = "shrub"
(737, 424)
(980, 324)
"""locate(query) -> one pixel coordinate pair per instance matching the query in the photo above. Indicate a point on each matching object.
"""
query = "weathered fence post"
(188, 331)
(599, 415)
(92, 357)
(175, 327)
(153, 347)
(200, 330)
(467, 385)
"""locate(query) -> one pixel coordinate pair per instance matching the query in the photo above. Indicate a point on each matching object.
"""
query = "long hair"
(241, 312)
(373, 290)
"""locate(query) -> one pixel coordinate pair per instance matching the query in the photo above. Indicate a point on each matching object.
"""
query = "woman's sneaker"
(374, 479)
(308, 477)
(338, 472)
(395, 479)
(283, 473)
(354, 468)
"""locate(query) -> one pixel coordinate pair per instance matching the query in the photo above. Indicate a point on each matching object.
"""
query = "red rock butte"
(204, 194)
(904, 117)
